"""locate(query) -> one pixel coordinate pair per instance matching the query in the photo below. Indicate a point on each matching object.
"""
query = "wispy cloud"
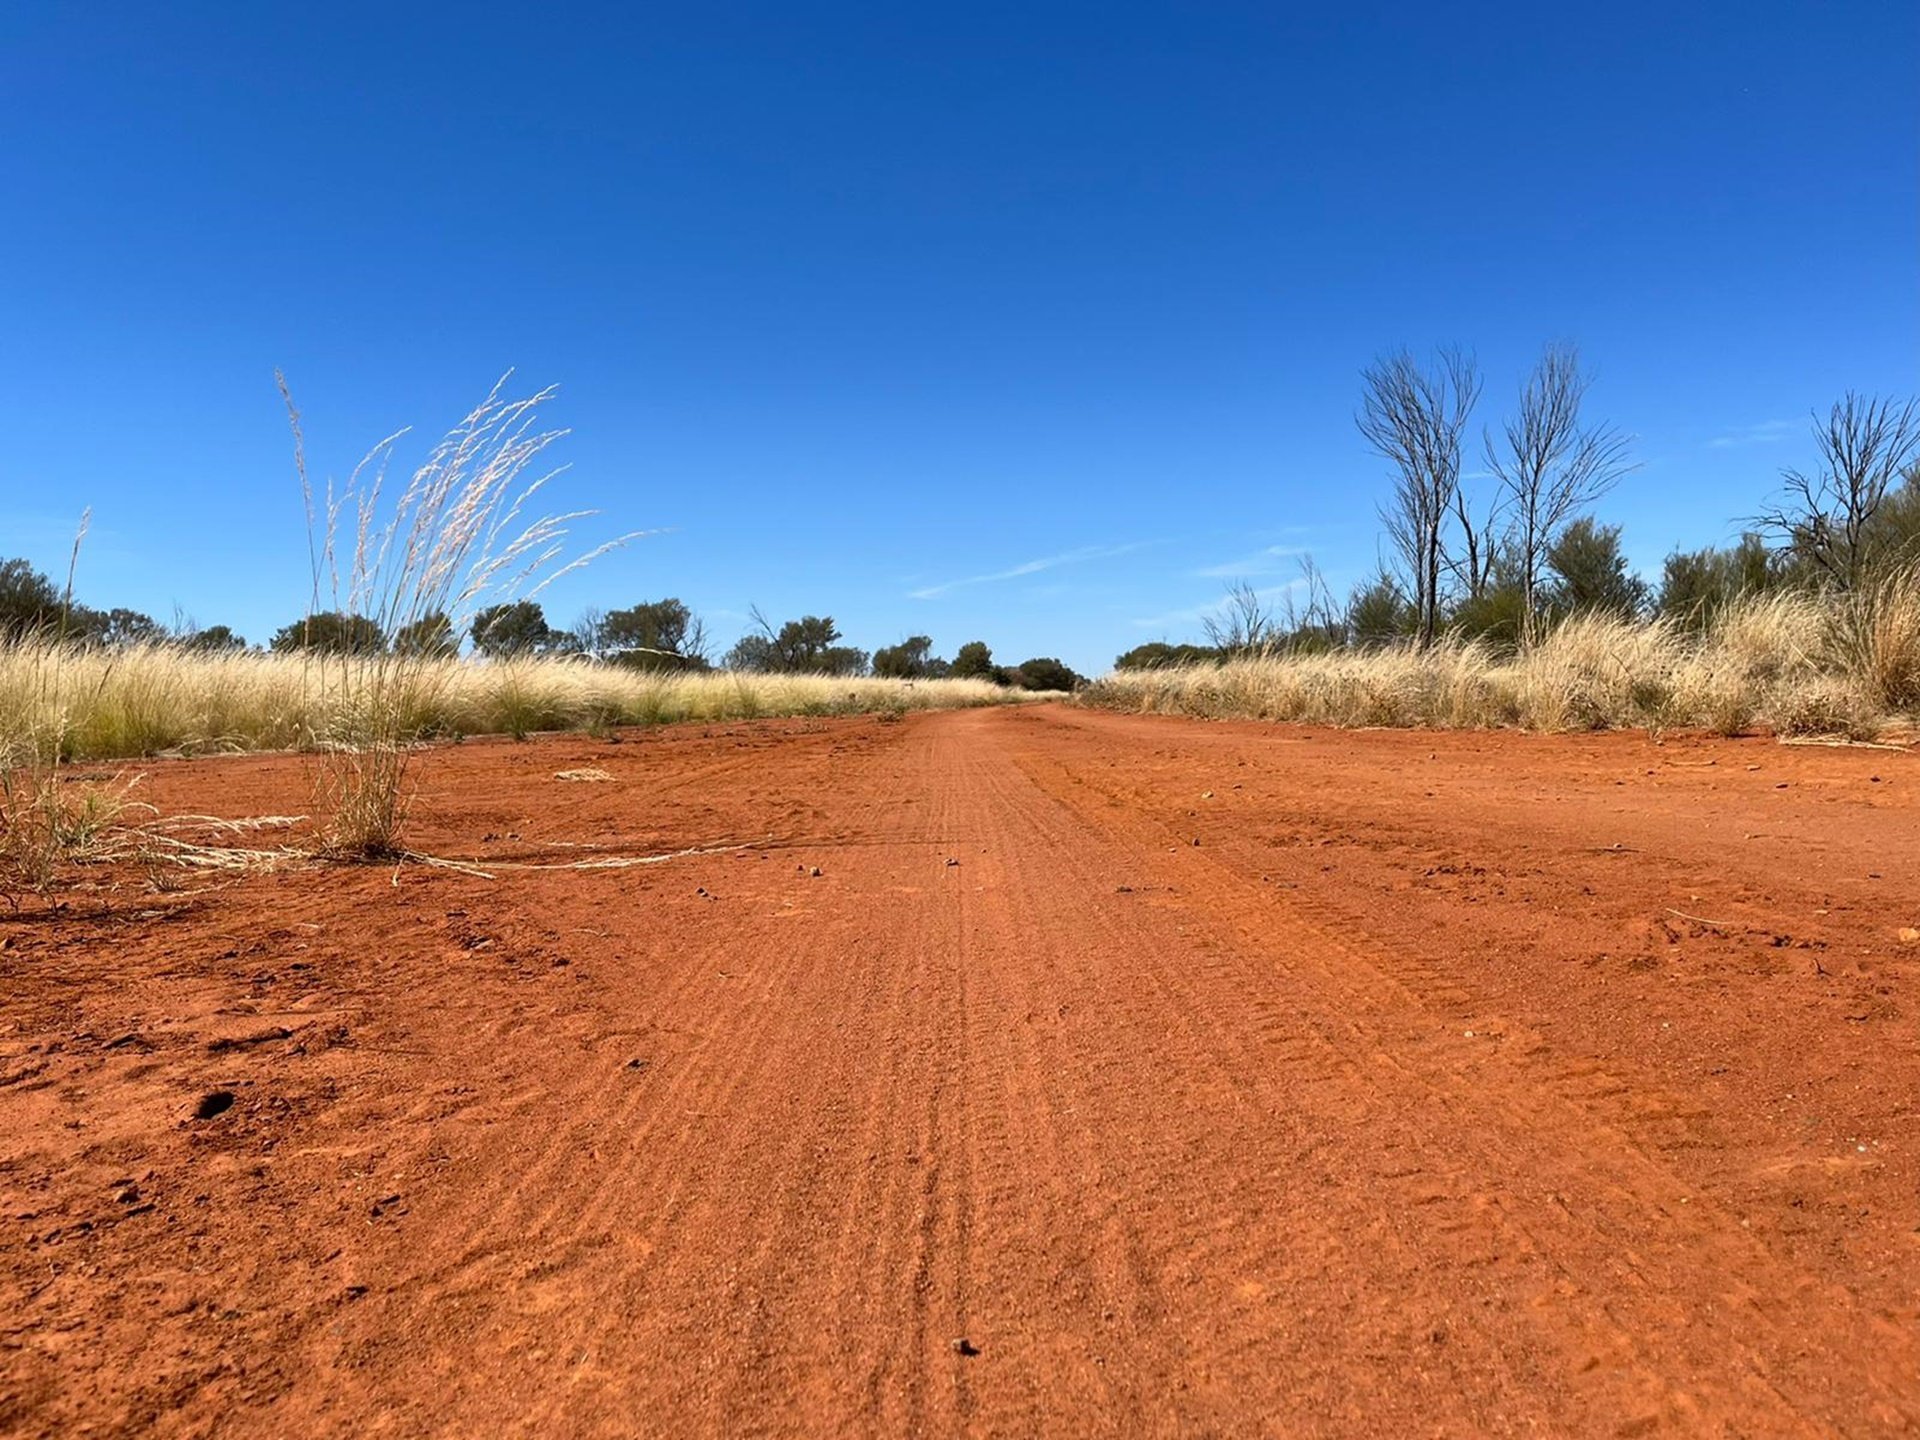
(1767, 432)
(1194, 614)
(1269, 561)
(1030, 567)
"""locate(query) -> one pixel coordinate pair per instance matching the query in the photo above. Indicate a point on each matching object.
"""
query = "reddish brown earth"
(1201, 1079)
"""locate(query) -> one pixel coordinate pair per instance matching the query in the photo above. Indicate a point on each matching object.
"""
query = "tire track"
(1174, 1149)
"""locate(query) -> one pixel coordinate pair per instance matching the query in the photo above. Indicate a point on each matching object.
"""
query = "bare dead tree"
(1245, 624)
(1479, 540)
(1310, 620)
(1320, 609)
(1413, 418)
(696, 646)
(1827, 517)
(1550, 468)
(588, 634)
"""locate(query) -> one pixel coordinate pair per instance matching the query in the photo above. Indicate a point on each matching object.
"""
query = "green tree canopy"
(799, 647)
(1696, 584)
(28, 600)
(214, 637)
(516, 627)
(654, 635)
(911, 659)
(120, 627)
(1379, 613)
(1158, 654)
(431, 634)
(1590, 571)
(973, 661)
(331, 632)
(1044, 673)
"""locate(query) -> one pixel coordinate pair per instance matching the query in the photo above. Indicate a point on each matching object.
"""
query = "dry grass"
(60, 705)
(456, 535)
(48, 818)
(154, 700)
(1798, 664)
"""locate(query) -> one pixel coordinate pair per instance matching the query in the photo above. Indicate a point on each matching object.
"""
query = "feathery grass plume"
(458, 533)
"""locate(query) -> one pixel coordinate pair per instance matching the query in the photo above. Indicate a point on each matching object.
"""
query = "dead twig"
(1701, 919)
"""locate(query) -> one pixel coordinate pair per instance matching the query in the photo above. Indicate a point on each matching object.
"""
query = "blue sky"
(1034, 323)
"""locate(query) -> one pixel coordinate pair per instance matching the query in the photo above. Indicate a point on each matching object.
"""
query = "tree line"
(657, 635)
(1504, 554)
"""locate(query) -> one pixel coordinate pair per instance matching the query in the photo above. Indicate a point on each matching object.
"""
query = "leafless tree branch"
(1245, 624)
(1413, 419)
(1865, 443)
(1550, 468)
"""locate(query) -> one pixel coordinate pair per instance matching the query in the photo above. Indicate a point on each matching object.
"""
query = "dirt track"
(1202, 1079)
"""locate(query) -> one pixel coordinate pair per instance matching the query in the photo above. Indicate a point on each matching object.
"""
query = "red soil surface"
(1029, 1071)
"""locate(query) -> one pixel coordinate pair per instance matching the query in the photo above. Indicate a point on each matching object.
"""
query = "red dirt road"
(1201, 1079)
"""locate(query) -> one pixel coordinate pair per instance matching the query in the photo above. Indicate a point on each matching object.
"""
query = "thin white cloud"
(1767, 432)
(1030, 567)
(1264, 562)
(1194, 614)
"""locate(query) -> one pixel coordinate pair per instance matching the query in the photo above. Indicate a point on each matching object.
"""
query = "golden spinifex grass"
(1797, 663)
(164, 699)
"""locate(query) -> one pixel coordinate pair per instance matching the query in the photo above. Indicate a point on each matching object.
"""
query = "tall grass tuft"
(44, 818)
(458, 533)
(1879, 633)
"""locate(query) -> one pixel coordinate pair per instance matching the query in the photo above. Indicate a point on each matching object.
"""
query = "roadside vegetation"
(1799, 664)
(1503, 600)
(422, 625)
(159, 700)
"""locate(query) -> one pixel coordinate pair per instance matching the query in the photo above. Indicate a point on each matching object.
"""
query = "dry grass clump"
(454, 535)
(1796, 663)
(47, 818)
(1877, 632)
(44, 820)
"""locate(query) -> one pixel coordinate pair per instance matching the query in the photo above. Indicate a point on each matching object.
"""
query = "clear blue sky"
(1033, 323)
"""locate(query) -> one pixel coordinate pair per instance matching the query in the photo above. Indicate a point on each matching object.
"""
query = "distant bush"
(1157, 654)
(213, 638)
(1696, 585)
(800, 647)
(429, 635)
(654, 635)
(1043, 673)
(911, 659)
(515, 627)
(973, 661)
(330, 632)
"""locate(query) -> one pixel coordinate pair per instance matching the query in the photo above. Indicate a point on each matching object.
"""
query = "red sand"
(1111, 1076)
